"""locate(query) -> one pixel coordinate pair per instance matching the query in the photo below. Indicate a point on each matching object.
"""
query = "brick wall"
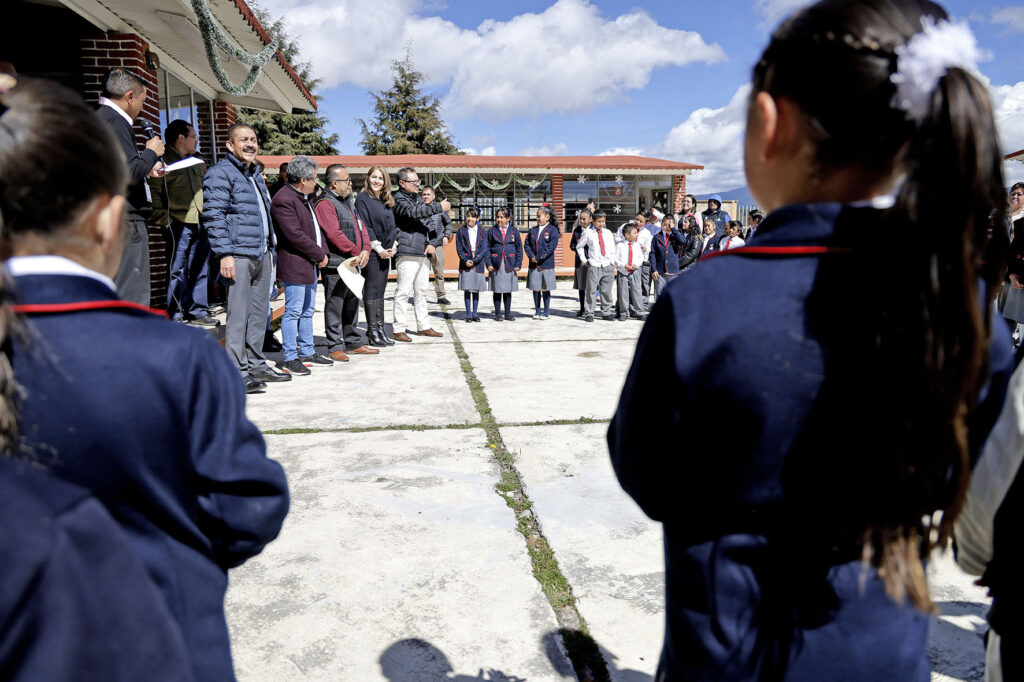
(223, 118)
(678, 192)
(558, 203)
(99, 54)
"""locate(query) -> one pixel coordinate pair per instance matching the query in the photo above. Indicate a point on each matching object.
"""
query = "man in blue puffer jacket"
(236, 212)
(715, 212)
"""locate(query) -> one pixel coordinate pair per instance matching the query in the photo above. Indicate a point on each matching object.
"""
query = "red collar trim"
(78, 306)
(777, 251)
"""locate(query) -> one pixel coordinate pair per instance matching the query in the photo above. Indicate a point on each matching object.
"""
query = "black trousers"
(341, 312)
(132, 278)
(376, 275)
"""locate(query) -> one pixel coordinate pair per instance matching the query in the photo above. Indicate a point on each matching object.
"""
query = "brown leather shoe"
(430, 332)
(401, 336)
(363, 350)
(339, 356)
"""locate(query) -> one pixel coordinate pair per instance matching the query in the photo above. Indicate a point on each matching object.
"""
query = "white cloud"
(1008, 103)
(568, 58)
(774, 11)
(556, 149)
(486, 151)
(1012, 17)
(712, 138)
(623, 151)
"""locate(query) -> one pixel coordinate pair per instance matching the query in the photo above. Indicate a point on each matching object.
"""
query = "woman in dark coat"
(797, 516)
(374, 203)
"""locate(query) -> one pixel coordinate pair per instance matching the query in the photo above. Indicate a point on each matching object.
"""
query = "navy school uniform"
(746, 575)
(472, 278)
(506, 254)
(149, 416)
(664, 256)
(541, 243)
(75, 601)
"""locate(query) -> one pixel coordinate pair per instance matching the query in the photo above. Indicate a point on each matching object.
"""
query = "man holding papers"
(178, 203)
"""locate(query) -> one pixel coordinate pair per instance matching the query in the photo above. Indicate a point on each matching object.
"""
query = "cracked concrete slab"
(608, 549)
(398, 561)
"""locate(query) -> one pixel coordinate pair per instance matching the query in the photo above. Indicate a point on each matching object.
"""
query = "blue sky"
(658, 78)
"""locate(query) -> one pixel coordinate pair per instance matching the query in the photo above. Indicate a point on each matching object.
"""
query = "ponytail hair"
(552, 219)
(909, 345)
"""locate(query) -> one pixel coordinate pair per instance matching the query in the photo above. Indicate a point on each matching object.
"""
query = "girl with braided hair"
(798, 518)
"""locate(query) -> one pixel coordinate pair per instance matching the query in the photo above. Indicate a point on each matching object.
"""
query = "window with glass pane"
(617, 198)
(527, 201)
(575, 195)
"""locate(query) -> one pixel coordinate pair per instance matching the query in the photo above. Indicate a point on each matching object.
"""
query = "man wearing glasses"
(415, 233)
(178, 204)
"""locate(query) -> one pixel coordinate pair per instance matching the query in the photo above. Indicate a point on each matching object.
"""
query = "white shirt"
(622, 255)
(316, 223)
(54, 265)
(593, 238)
(104, 102)
(473, 231)
(644, 238)
(730, 243)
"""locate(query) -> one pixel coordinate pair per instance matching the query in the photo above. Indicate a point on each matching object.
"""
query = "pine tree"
(406, 121)
(289, 134)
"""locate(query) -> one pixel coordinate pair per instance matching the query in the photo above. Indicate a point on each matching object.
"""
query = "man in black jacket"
(441, 226)
(123, 96)
(414, 251)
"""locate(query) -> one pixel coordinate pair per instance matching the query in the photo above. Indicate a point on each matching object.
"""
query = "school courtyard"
(455, 516)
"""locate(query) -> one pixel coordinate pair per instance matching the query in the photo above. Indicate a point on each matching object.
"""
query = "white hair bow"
(926, 58)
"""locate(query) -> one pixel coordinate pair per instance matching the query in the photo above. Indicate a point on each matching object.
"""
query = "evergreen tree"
(406, 121)
(289, 134)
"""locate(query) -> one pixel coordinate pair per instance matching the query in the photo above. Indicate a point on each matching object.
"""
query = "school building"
(618, 185)
(75, 42)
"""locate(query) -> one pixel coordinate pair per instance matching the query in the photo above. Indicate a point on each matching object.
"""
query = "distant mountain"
(741, 195)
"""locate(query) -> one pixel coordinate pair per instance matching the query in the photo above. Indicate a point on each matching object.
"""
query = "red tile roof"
(1015, 155)
(566, 163)
(258, 27)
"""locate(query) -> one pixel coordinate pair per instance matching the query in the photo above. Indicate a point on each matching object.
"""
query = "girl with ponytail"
(795, 541)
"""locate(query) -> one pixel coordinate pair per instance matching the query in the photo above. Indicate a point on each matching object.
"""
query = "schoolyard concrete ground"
(454, 513)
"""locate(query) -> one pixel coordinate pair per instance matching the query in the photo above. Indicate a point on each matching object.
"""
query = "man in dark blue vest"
(124, 93)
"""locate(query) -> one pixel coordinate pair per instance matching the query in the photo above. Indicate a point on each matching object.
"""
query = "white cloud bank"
(568, 58)
(486, 151)
(556, 149)
(623, 151)
(774, 11)
(714, 139)
(1011, 17)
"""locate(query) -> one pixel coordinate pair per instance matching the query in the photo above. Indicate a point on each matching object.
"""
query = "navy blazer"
(139, 163)
(481, 249)
(511, 248)
(542, 247)
(747, 566)
(149, 416)
(76, 603)
(664, 254)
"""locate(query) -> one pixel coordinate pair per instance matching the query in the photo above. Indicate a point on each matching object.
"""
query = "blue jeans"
(187, 289)
(297, 323)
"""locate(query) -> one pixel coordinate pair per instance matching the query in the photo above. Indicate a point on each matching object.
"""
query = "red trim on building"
(262, 32)
(777, 251)
(1013, 156)
(427, 161)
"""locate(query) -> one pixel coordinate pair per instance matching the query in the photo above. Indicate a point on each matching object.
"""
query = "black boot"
(380, 322)
(373, 335)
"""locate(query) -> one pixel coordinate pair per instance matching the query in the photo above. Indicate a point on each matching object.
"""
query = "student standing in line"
(694, 243)
(710, 237)
(541, 244)
(471, 245)
(837, 456)
(506, 249)
(579, 276)
(597, 251)
(665, 254)
(628, 258)
(732, 238)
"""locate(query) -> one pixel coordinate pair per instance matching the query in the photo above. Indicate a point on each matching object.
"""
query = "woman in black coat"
(374, 203)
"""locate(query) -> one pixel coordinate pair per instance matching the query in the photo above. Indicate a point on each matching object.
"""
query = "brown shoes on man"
(363, 350)
(339, 356)
(401, 336)
(430, 332)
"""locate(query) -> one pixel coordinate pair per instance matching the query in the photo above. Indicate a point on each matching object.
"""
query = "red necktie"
(630, 255)
(727, 242)
(600, 238)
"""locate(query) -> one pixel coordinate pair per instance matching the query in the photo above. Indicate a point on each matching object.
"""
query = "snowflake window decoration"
(618, 179)
(617, 208)
(581, 179)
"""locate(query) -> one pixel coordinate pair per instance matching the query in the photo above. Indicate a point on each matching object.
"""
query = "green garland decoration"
(531, 184)
(467, 188)
(497, 186)
(214, 35)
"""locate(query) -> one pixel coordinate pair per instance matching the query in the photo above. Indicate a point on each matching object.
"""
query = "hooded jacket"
(720, 217)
